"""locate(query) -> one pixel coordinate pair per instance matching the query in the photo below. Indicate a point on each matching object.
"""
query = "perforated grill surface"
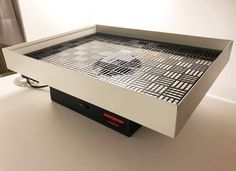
(162, 70)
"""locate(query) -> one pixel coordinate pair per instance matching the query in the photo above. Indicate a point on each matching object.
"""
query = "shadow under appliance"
(124, 78)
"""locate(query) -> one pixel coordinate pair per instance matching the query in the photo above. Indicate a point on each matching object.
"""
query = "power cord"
(30, 81)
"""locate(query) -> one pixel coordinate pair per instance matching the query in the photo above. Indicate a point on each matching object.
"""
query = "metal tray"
(155, 79)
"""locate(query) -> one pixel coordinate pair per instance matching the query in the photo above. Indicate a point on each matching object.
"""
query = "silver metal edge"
(198, 91)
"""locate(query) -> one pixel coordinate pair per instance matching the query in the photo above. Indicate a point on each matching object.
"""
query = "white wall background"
(43, 18)
(210, 18)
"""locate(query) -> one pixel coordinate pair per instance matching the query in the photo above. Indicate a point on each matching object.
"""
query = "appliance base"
(109, 119)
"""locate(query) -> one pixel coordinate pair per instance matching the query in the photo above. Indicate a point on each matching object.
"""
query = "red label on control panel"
(113, 118)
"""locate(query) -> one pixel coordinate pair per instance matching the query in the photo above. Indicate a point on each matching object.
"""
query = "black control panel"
(109, 119)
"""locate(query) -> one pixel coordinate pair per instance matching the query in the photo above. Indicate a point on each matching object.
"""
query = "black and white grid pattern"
(162, 70)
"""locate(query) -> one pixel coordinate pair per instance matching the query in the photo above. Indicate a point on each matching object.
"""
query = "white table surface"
(37, 134)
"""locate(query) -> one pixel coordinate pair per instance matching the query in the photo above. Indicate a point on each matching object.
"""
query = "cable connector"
(31, 82)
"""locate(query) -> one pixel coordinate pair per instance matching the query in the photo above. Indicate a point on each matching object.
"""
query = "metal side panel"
(198, 91)
(145, 110)
(195, 41)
